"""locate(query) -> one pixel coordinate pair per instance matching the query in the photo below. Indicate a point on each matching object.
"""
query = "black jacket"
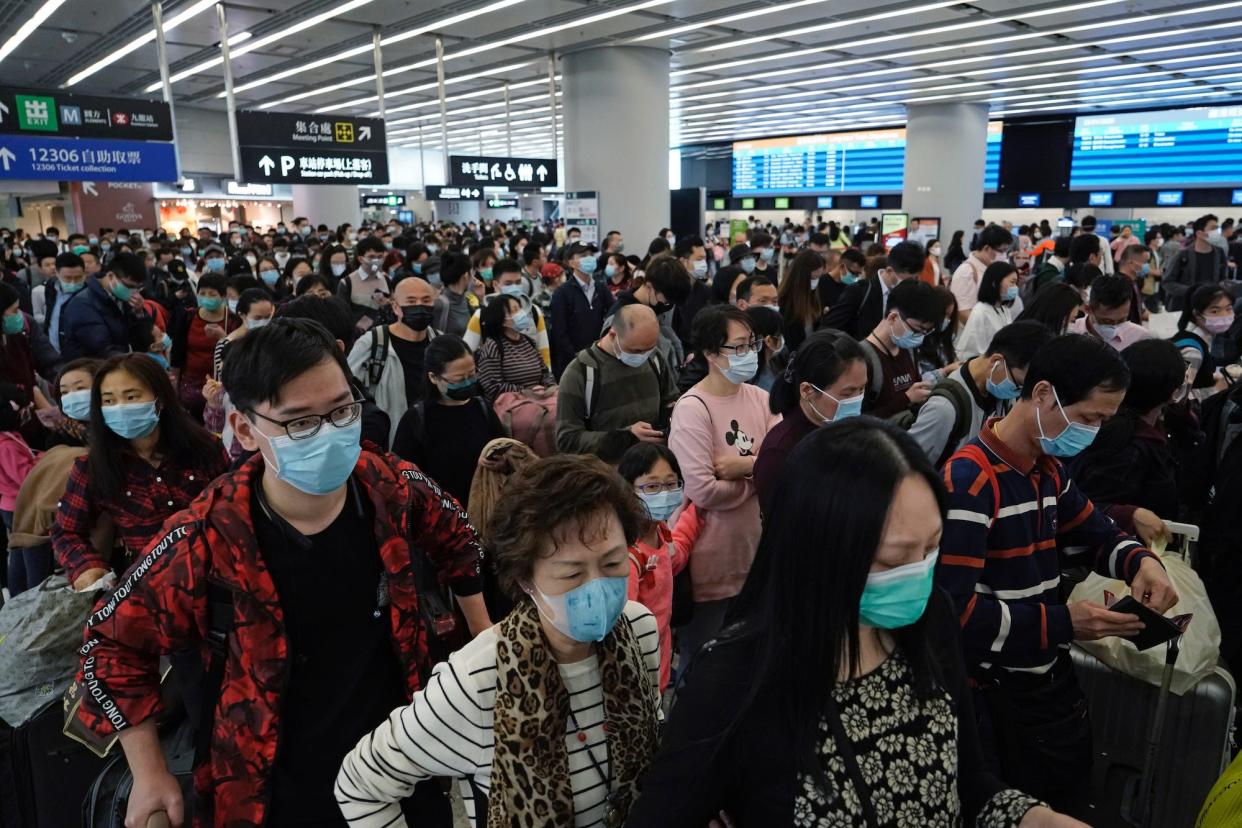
(95, 324)
(858, 310)
(752, 775)
(575, 322)
(683, 316)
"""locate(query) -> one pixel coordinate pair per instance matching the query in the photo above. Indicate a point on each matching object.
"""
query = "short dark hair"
(261, 363)
(526, 522)
(685, 246)
(854, 256)
(669, 277)
(130, 266)
(1202, 222)
(252, 296)
(745, 286)
(1082, 274)
(309, 281)
(710, 330)
(760, 239)
(369, 244)
(212, 281)
(504, 266)
(1061, 247)
(907, 257)
(1134, 251)
(1083, 247)
(914, 299)
(531, 252)
(1157, 369)
(329, 311)
(1111, 292)
(69, 260)
(820, 239)
(1017, 342)
(995, 237)
(1052, 306)
(1076, 365)
(989, 285)
(640, 457)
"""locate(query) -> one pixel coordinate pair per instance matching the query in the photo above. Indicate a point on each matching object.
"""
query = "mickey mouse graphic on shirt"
(740, 440)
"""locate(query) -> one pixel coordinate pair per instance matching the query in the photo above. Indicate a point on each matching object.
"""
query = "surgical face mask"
(131, 420)
(1011, 293)
(587, 265)
(14, 323)
(670, 238)
(748, 264)
(767, 254)
(742, 367)
(586, 613)
(252, 260)
(661, 504)
(1105, 332)
(105, 246)
(1006, 389)
(77, 404)
(460, 390)
(122, 239)
(270, 277)
(317, 465)
(416, 317)
(849, 278)
(513, 290)
(633, 360)
(215, 265)
(897, 597)
(433, 248)
(304, 230)
(910, 339)
(94, 240)
(610, 271)
(1073, 440)
(233, 305)
(160, 360)
(1214, 233)
(1217, 324)
(79, 249)
(699, 269)
(281, 257)
(814, 283)
(122, 291)
(485, 274)
(935, 250)
(255, 324)
(338, 270)
(210, 303)
(187, 252)
(1144, 270)
(849, 407)
(522, 321)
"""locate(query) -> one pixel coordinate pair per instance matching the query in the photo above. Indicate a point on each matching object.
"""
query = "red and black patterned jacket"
(160, 607)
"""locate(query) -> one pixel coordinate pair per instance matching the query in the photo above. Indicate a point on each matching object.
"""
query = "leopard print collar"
(530, 782)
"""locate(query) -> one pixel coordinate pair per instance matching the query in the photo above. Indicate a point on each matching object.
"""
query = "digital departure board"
(1136, 150)
(839, 162)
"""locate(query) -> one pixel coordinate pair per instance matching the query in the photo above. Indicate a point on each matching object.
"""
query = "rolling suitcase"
(44, 775)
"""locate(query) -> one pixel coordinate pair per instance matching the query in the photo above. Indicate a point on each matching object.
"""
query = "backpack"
(379, 355)
(591, 392)
(959, 397)
(875, 384)
(530, 419)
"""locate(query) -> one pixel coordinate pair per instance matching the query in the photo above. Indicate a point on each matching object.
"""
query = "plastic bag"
(40, 633)
(1200, 645)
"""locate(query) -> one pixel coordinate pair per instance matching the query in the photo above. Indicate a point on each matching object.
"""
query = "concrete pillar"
(330, 204)
(946, 146)
(615, 102)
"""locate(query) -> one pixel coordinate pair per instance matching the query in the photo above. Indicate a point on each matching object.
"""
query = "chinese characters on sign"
(311, 149)
(513, 173)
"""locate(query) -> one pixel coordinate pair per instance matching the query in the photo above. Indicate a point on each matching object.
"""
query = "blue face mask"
(1144, 270)
(513, 290)
(587, 265)
(160, 360)
(897, 597)
(131, 420)
(433, 249)
(1006, 389)
(1011, 293)
(77, 405)
(187, 251)
(321, 464)
(661, 504)
(210, 303)
(748, 264)
(848, 278)
(72, 287)
(417, 267)
(121, 291)
(610, 271)
(270, 277)
(586, 613)
(910, 339)
(486, 274)
(14, 323)
(216, 265)
(767, 254)
(1073, 440)
(742, 367)
(850, 407)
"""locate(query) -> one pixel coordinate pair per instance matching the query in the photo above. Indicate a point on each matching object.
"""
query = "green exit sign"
(718, 204)
(748, 204)
(781, 204)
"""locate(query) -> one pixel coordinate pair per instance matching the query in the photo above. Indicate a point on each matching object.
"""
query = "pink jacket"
(16, 461)
(651, 576)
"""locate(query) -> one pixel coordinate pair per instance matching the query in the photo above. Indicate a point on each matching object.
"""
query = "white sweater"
(447, 731)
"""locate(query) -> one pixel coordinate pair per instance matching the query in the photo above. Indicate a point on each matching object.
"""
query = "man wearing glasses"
(914, 310)
(314, 547)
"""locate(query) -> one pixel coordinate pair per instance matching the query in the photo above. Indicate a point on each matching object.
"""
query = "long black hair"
(822, 359)
(1053, 304)
(820, 536)
(442, 350)
(492, 317)
(1197, 304)
(183, 441)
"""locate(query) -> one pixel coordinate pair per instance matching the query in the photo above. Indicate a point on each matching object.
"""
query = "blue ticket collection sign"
(77, 159)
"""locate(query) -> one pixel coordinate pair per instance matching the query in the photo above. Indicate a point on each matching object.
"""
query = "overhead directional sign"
(81, 159)
(312, 149)
(437, 193)
(383, 200)
(503, 202)
(492, 171)
(34, 112)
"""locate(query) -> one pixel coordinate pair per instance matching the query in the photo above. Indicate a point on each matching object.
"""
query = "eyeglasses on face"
(656, 488)
(752, 347)
(308, 425)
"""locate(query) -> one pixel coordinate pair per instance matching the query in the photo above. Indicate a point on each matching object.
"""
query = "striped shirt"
(510, 365)
(1002, 553)
(447, 731)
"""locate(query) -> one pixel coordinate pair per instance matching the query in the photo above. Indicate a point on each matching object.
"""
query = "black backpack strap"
(875, 382)
(379, 355)
(959, 397)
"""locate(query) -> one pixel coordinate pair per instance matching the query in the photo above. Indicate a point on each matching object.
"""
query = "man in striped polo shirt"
(1015, 520)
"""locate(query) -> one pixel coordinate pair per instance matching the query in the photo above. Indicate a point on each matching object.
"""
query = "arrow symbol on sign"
(4, 110)
(364, 133)
(88, 187)
(6, 155)
(266, 163)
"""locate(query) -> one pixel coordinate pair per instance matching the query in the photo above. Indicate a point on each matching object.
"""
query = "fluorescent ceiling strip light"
(435, 116)
(274, 37)
(140, 41)
(410, 90)
(27, 29)
(538, 33)
(836, 24)
(728, 18)
(478, 93)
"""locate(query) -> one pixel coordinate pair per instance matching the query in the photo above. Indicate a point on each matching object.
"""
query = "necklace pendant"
(612, 817)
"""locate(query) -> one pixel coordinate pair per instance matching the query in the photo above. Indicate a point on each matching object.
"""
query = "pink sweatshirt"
(704, 427)
(16, 461)
(652, 570)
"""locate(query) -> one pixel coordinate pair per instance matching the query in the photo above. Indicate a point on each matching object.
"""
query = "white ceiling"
(738, 69)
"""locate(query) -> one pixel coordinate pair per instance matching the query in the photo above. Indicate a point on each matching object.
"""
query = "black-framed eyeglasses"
(752, 347)
(656, 488)
(308, 425)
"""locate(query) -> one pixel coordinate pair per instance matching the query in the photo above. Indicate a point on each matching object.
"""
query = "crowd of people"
(479, 503)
